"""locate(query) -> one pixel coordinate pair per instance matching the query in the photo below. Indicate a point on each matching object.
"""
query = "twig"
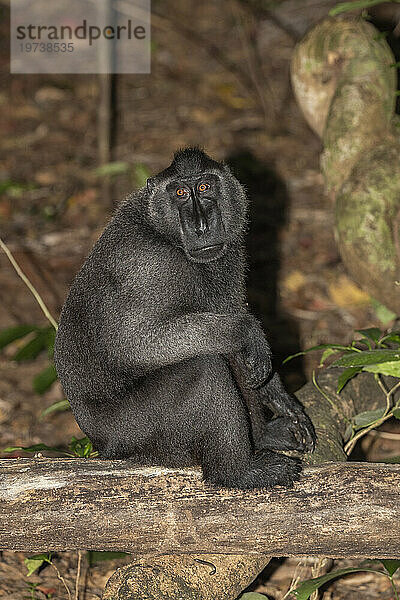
(384, 390)
(320, 567)
(331, 402)
(29, 285)
(387, 415)
(61, 578)
(296, 578)
(379, 381)
(78, 575)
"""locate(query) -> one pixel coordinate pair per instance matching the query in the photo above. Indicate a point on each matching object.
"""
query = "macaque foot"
(295, 432)
(267, 470)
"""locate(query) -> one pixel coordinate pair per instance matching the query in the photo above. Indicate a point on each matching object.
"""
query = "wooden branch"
(337, 509)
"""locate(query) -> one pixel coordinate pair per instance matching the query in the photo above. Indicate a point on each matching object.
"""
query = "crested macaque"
(157, 351)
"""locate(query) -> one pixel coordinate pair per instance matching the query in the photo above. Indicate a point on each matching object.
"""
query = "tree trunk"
(345, 83)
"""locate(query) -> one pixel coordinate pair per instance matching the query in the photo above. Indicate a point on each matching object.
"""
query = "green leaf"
(112, 168)
(372, 333)
(45, 379)
(396, 413)
(59, 406)
(95, 557)
(395, 65)
(356, 5)
(34, 448)
(346, 376)
(7, 336)
(253, 596)
(382, 312)
(304, 591)
(364, 419)
(388, 368)
(391, 337)
(82, 447)
(14, 188)
(363, 340)
(35, 346)
(326, 354)
(348, 432)
(35, 562)
(319, 347)
(367, 357)
(391, 565)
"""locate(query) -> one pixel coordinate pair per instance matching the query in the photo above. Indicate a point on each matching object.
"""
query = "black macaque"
(156, 350)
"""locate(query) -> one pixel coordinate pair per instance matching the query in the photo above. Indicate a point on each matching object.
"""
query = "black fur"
(156, 351)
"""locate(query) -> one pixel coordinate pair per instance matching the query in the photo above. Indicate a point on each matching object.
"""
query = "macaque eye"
(181, 192)
(202, 187)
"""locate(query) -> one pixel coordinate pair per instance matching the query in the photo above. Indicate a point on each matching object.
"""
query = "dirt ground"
(54, 204)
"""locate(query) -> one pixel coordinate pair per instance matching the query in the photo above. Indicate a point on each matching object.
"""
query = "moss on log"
(344, 81)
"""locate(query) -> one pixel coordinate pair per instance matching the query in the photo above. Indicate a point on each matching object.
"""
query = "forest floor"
(54, 203)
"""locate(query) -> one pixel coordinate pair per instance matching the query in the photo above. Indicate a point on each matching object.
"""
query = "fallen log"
(337, 509)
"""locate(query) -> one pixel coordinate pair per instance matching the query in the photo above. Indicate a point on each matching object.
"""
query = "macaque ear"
(151, 184)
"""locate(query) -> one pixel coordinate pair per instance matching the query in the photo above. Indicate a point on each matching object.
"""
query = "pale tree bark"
(344, 79)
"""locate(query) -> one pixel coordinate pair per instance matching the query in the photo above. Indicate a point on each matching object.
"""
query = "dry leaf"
(345, 293)
(294, 281)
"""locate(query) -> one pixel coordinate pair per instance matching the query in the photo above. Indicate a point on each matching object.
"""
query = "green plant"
(139, 173)
(38, 338)
(78, 447)
(112, 169)
(33, 563)
(34, 340)
(37, 561)
(306, 588)
(15, 189)
(59, 406)
(32, 591)
(376, 352)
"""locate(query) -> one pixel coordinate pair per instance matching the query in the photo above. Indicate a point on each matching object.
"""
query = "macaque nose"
(200, 219)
